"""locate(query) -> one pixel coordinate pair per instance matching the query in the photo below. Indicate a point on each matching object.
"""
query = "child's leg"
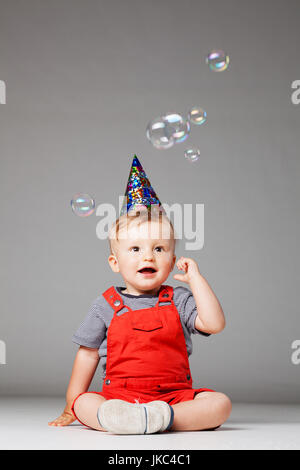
(86, 407)
(121, 417)
(207, 410)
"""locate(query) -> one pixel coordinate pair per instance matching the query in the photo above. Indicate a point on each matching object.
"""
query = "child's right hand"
(64, 419)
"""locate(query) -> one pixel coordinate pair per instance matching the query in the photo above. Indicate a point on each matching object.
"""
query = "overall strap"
(114, 299)
(165, 294)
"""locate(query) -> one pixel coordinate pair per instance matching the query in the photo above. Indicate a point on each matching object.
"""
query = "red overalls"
(146, 353)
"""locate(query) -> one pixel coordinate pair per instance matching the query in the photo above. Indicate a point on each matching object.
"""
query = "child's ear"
(113, 262)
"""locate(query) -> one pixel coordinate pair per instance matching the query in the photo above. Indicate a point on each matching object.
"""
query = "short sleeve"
(188, 310)
(92, 331)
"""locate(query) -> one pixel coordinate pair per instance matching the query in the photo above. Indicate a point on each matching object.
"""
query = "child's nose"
(148, 255)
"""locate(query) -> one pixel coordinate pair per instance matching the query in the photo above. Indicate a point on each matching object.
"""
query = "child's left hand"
(189, 266)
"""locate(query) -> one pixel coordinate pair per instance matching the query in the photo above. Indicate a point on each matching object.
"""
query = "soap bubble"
(160, 134)
(192, 154)
(83, 205)
(197, 115)
(165, 131)
(217, 60)
(177, 126)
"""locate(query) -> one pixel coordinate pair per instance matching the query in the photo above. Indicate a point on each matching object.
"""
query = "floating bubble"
(178, 127)
(83, 205)
(192, 154)
(197, 115)
(160, 134)
(217, 60)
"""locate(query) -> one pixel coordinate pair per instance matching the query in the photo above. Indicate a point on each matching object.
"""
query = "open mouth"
(147, 271)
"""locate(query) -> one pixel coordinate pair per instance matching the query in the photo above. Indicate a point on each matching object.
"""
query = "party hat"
(139, 192)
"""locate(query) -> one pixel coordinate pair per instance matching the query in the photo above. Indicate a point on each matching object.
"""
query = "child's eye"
(159, 248)
(134, 248)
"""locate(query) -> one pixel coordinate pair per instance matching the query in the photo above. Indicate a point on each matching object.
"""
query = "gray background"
(83, 80)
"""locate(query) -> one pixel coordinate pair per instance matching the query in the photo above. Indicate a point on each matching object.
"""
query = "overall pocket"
(145, 320)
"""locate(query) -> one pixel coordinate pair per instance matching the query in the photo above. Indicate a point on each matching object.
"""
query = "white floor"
(23, 425)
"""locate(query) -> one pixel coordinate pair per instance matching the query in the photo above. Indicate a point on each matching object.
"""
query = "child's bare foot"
(63, 420)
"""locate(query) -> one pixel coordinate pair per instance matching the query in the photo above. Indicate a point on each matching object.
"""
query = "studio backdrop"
(80, 82)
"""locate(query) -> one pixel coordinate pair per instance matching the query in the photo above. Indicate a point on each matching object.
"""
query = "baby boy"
(141, 334)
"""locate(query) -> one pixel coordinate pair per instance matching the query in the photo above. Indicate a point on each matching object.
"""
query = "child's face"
(149, 245)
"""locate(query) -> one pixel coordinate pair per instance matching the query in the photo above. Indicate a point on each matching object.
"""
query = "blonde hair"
(137, 217)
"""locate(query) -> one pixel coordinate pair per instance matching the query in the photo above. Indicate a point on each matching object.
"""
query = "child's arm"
(84, 367)
(210, 318)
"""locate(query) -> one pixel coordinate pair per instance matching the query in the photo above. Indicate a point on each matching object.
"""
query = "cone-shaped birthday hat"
(139, 192)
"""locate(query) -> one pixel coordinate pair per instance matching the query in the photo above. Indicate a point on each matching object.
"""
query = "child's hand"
(189, 266)
(63, 420)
